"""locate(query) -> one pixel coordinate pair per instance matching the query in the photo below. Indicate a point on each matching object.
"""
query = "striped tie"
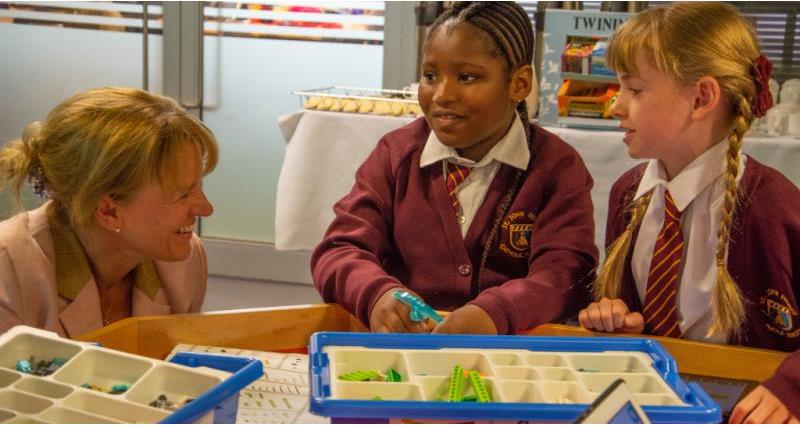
(455, 175)
(661, 295)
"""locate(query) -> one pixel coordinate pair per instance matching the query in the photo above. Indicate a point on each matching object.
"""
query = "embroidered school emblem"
(517, 228)
(781, 314)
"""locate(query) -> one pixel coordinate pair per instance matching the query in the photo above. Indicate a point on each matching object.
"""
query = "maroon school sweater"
(397, 228)
(763, 259)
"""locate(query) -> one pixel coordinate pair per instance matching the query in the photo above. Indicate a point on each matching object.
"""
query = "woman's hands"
(611, 315)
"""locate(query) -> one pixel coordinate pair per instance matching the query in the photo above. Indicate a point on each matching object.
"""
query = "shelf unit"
(598, 78)
(589, 123)
(559, 25)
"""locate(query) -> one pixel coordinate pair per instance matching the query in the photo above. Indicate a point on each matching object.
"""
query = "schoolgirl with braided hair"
(704, 242)
(473, 208)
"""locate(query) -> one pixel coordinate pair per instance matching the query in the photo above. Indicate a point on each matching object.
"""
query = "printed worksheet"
(280, 396)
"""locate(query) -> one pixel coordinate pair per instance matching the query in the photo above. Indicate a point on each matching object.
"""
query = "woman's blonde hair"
(688, 41)
(105, 141)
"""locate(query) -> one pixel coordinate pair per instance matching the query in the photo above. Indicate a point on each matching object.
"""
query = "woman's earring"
(117, 230)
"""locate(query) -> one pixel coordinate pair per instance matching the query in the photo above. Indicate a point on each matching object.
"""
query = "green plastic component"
(360, 376)
(480, 388)
(456, 387)
(120, 388)
(393, 376)
(377, 398)
(469, 393)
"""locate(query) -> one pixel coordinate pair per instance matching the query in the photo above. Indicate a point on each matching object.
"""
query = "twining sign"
(596, 23)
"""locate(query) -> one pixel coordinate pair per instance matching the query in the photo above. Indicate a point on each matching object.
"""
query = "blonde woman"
(706, 241)
(122, 170)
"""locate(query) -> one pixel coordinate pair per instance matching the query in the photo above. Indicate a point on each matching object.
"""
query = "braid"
(506, 24)
(727, 303)
(609, 279)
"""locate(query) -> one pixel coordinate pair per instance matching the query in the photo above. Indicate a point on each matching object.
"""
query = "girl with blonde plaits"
(702, 240)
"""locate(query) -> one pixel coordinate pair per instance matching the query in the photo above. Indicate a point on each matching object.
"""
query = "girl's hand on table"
(611, 315)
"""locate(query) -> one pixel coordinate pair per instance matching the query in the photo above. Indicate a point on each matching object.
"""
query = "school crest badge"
(781, 314)
(520, 235)
(517, 229)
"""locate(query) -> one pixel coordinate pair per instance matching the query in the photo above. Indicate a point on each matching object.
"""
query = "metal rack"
(360, 100)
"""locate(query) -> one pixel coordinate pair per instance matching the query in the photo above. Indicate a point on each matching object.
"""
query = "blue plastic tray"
(223, 398)
(700, 407)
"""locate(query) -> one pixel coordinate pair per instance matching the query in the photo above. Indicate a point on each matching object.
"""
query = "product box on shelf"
(503, 378)
(48, 379)
(599, 65)
(577, 56)
(586, 99)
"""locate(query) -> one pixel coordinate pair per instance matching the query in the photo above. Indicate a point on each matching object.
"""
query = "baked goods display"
(361, 101)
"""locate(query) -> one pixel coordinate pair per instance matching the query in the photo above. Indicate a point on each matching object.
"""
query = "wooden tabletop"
(288, 328)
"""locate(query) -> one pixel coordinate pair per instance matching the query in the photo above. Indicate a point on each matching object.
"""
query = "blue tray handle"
(245, 370)
(319, 370)
(662, 360)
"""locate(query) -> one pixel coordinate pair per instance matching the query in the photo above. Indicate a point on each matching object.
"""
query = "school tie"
(455, 175)
(661, 294)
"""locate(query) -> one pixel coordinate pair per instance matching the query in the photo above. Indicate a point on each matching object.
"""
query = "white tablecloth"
(323, 152)
(325, 149)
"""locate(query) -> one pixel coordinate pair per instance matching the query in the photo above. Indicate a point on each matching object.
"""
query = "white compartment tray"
(510, 376)
(79, 391)
(518, 377)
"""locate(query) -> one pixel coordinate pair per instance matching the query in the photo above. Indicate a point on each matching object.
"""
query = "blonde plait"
(609, 279)
(727, 301)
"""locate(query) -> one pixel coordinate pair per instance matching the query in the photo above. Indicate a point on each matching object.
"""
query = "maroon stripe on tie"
(455, 176)
(660, 301)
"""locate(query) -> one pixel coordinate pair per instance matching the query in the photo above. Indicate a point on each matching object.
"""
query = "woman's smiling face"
(157, 222)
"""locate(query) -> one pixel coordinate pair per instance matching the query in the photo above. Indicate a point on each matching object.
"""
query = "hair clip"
(37, 180)
(760, 71)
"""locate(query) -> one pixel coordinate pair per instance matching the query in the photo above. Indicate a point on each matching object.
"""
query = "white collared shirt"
(699, 193)
(511, 149)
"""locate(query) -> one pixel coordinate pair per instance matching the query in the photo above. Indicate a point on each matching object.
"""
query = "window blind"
(358, 22)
